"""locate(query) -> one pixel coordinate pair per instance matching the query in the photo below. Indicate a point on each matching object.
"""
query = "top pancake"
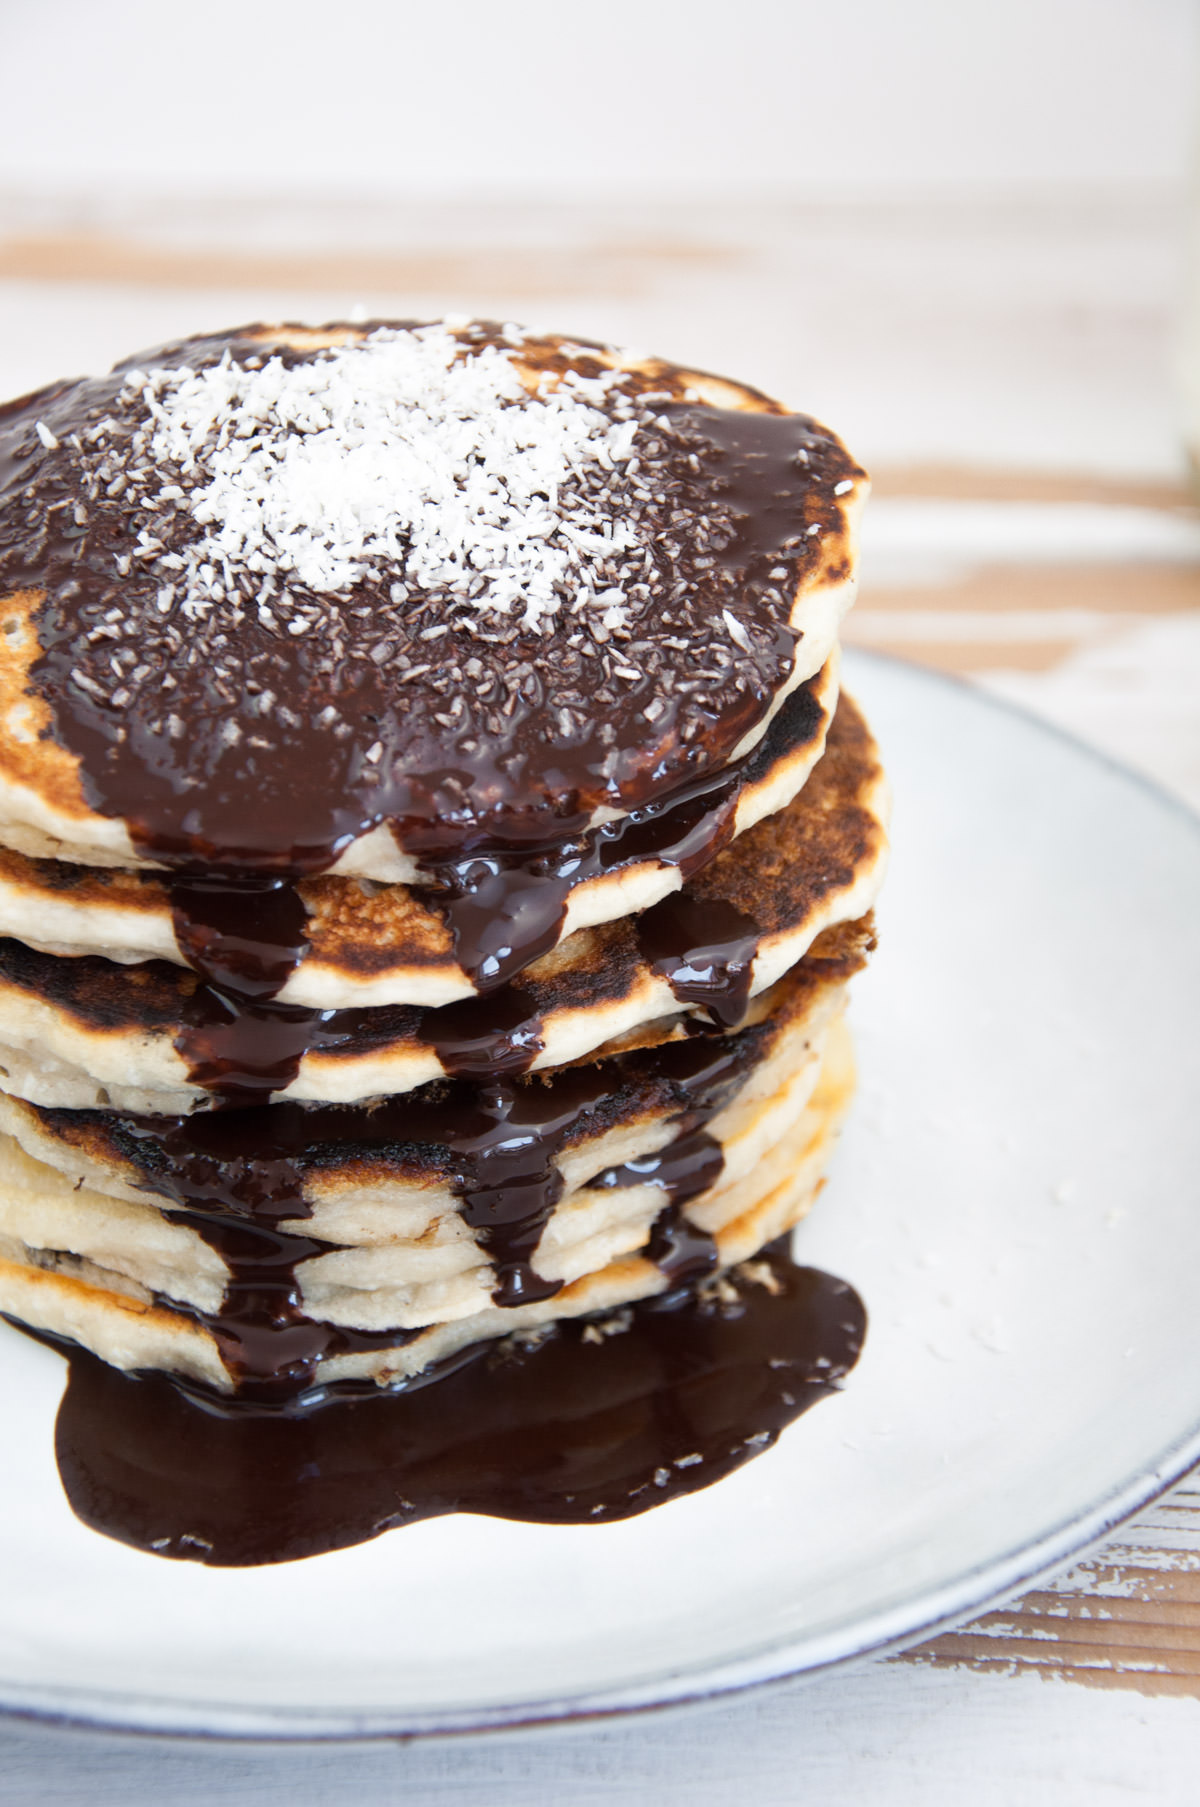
(358, 598)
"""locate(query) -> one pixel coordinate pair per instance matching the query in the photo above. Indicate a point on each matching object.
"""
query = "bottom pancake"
(753, 1196)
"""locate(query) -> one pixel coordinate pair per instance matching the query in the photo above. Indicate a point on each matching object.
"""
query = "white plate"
(1016, 1200)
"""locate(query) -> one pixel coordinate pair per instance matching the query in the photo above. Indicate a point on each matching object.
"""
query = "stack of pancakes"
(433, 849)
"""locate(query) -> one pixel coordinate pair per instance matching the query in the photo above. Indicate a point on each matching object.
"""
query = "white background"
(831, 98)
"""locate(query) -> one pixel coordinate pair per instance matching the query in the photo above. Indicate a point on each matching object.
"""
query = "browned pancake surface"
(777, 874)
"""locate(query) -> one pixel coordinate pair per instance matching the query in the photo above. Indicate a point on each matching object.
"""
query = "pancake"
(84, 1032)
(369, 946)
(406, 1254)
(433, 847)
(368, 1174)
(130, 1329)
(319, 599)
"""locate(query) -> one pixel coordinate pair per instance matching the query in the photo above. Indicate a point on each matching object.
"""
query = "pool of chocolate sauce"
(596, 1422)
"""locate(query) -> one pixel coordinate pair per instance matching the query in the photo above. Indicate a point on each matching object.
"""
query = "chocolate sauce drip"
(509, 1138)
(583, 1428)
(242, 1052)
(481, 1038)
(704, 947)
(269, 1345)
(686, 1167)
(680, 1249)
(505, 911)
(243, 934)
(237, 1178)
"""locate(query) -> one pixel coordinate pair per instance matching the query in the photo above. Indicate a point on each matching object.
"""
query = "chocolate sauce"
(758, 464)
(245, 935)
(269, 1345)
(704, 947)
(687, 1166)
(237, 1178)
(484, 1037)
(584, 1427)
(509, 1137)
(234, 1178)
(680, 1249)
(242, 1052)
(504, 910)
(542, 731)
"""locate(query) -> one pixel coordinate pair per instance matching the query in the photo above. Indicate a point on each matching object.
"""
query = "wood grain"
(523, 273)
(1128, 1617)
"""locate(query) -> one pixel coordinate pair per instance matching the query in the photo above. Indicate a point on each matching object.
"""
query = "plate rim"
(884, 1632)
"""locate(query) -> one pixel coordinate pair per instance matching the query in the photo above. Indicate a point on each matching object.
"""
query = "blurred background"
(957, 231)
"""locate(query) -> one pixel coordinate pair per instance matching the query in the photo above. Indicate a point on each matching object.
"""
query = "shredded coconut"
(396, 452)
(426, 538)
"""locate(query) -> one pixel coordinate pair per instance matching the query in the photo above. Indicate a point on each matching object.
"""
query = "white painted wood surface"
(887, 1736)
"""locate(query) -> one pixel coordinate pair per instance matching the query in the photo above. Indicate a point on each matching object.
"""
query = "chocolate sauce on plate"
(595, 1422)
